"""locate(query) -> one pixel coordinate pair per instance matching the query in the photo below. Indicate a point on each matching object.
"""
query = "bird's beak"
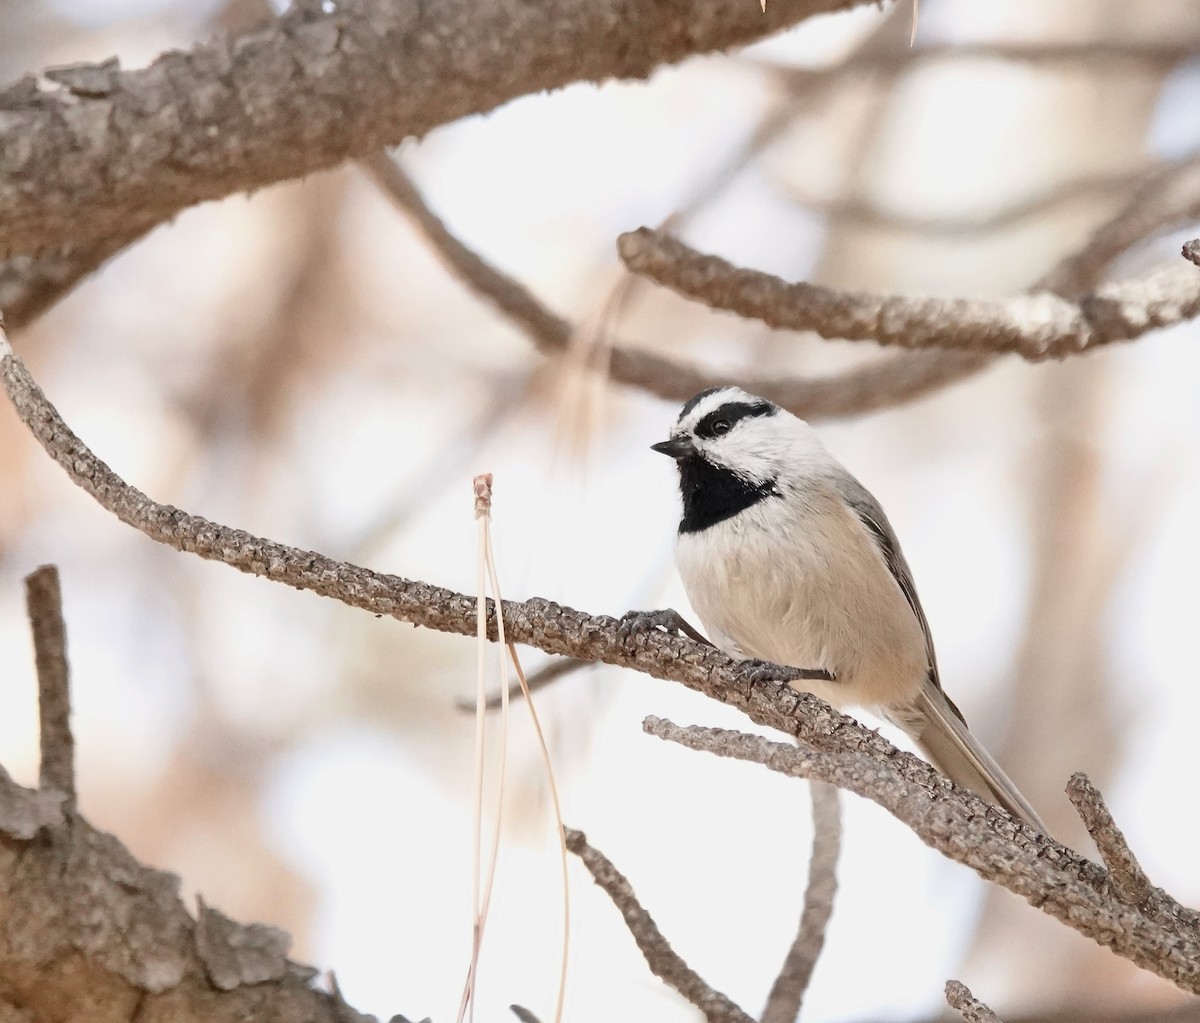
(676, 447)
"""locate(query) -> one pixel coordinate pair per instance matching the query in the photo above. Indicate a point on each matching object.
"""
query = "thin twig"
(664, 962)
(1128, 878)
(787, 993)
(550, 672)
(972, 1010)
(1125, 55)
(867, 213)
(1037, 326)
(890, 381)
(43, 599)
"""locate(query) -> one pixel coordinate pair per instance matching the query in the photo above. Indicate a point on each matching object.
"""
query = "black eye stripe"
(732, 412)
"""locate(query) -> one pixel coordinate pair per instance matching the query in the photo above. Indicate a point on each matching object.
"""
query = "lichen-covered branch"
(1037, 326)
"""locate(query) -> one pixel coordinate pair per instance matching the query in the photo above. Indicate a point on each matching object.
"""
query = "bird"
(787, 558)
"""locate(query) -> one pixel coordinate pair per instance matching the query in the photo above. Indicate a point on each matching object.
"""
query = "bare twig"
(1123, 54)
(664, 962)
(862, 211)
(889, 382)
(43, 600)
(1162, 936)
(1129, 881)
(954, 829)
(550, 672)
(787, 993)
(1191, 251)
(972, 1010)
(1038, 326)
(1167, 197)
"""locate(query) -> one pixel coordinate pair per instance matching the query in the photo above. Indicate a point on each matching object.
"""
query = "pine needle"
(482, 890)
(559, 826)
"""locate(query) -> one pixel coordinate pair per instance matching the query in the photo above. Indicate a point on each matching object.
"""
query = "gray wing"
(933, 721)
(864, 505)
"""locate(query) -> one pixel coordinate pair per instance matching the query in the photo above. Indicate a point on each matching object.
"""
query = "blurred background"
(299, 364)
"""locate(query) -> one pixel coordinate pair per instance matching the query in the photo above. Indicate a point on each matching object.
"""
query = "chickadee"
(786, 557)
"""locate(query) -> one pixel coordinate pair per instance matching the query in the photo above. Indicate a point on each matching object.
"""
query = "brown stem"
(43, 599)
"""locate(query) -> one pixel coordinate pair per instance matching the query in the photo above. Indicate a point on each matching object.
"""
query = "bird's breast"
(804, 586)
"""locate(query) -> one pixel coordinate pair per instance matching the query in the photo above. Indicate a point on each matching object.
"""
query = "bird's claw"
(668, 620)
(758, 672)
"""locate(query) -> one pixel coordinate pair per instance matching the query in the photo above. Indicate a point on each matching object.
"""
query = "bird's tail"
(942, 734)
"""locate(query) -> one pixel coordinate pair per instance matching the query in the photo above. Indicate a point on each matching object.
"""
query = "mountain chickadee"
(787, 558)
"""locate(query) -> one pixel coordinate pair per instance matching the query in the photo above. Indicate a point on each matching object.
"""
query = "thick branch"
(107, 151)
(664, 962)
(29, 285)
(92, 936)
(972, 1010)
(1038, 326)
(1160, 936)
(1191, 251)
(787, 993)
(43, 599)
(1129, 880)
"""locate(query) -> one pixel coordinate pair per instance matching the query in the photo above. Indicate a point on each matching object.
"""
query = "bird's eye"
(721, 426)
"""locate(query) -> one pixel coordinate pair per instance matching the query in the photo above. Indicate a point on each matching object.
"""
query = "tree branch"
(1191, 251)
(664, 962)
(106, 151)
(1129, 881)
(1135, 55)
(1162, 936)
(787, 993)
(43, 600)
(1038, 326)
(92, 936)
(29, 285)
(888, 382)
(972, 1010)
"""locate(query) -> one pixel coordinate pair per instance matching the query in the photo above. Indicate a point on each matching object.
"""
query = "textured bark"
(92, 936)
(1038, 325)
(109, 152)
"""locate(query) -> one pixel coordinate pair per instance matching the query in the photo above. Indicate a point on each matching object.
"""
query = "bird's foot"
(668, 620)
(756, 672)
